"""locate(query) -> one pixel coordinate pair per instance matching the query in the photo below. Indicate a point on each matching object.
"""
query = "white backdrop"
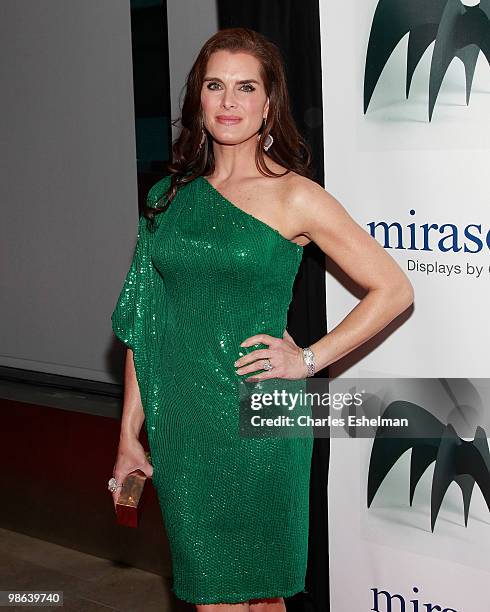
(391, 165)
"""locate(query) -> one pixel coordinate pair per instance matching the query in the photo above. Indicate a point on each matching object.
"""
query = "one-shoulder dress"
(235, 509)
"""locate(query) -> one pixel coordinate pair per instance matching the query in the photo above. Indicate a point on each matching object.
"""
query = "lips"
(228, 119)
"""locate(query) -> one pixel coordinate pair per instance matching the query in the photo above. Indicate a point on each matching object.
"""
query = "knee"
(269, 604)
(222, 607)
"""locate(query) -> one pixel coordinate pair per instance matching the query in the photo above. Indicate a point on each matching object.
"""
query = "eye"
(249, 87)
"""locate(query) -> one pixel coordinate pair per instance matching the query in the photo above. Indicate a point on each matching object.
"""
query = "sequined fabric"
(235, 509)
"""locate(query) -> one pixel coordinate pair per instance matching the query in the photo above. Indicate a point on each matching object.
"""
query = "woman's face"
(233, 97)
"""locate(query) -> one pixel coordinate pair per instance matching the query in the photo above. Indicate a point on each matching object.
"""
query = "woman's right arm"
(133, 415)
(130, 454)
(133, 323)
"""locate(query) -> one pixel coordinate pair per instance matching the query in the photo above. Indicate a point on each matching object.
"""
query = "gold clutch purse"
(128, 505)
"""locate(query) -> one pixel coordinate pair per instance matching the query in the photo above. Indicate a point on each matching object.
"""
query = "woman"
(218, 249)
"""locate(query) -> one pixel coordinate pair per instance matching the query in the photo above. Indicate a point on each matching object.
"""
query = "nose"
(228, 100)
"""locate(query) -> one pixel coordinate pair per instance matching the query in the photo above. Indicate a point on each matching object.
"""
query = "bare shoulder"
(304, 195)
(311, 209)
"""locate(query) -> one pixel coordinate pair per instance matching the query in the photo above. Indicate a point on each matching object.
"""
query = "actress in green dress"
(204, 306)
(235, 508)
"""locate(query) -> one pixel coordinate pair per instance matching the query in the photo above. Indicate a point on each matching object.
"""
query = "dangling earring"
(269, 139)
(203, 139)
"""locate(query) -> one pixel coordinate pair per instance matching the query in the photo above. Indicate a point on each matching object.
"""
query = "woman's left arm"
(316, 214)
(363, 259)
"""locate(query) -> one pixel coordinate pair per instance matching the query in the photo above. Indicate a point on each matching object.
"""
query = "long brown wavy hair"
(191, 160)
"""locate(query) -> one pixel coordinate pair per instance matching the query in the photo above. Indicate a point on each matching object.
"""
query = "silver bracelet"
(309, 359)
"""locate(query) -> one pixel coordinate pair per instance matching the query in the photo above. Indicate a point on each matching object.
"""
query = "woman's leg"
(224, 607)
(273, 604)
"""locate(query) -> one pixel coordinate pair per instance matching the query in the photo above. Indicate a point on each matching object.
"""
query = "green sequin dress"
(235, 509)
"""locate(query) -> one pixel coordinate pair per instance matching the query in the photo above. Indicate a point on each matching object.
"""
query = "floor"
(89, 584)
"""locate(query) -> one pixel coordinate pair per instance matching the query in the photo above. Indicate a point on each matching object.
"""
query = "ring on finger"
(113, 485)
(267, 364)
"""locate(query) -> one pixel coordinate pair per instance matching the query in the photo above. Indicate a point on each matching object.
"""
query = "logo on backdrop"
(465, 462)
(383, 600)
(458, 31)
(445, 237)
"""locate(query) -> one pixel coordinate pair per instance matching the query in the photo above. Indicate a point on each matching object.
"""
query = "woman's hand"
(130, 456)
(285, 356)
